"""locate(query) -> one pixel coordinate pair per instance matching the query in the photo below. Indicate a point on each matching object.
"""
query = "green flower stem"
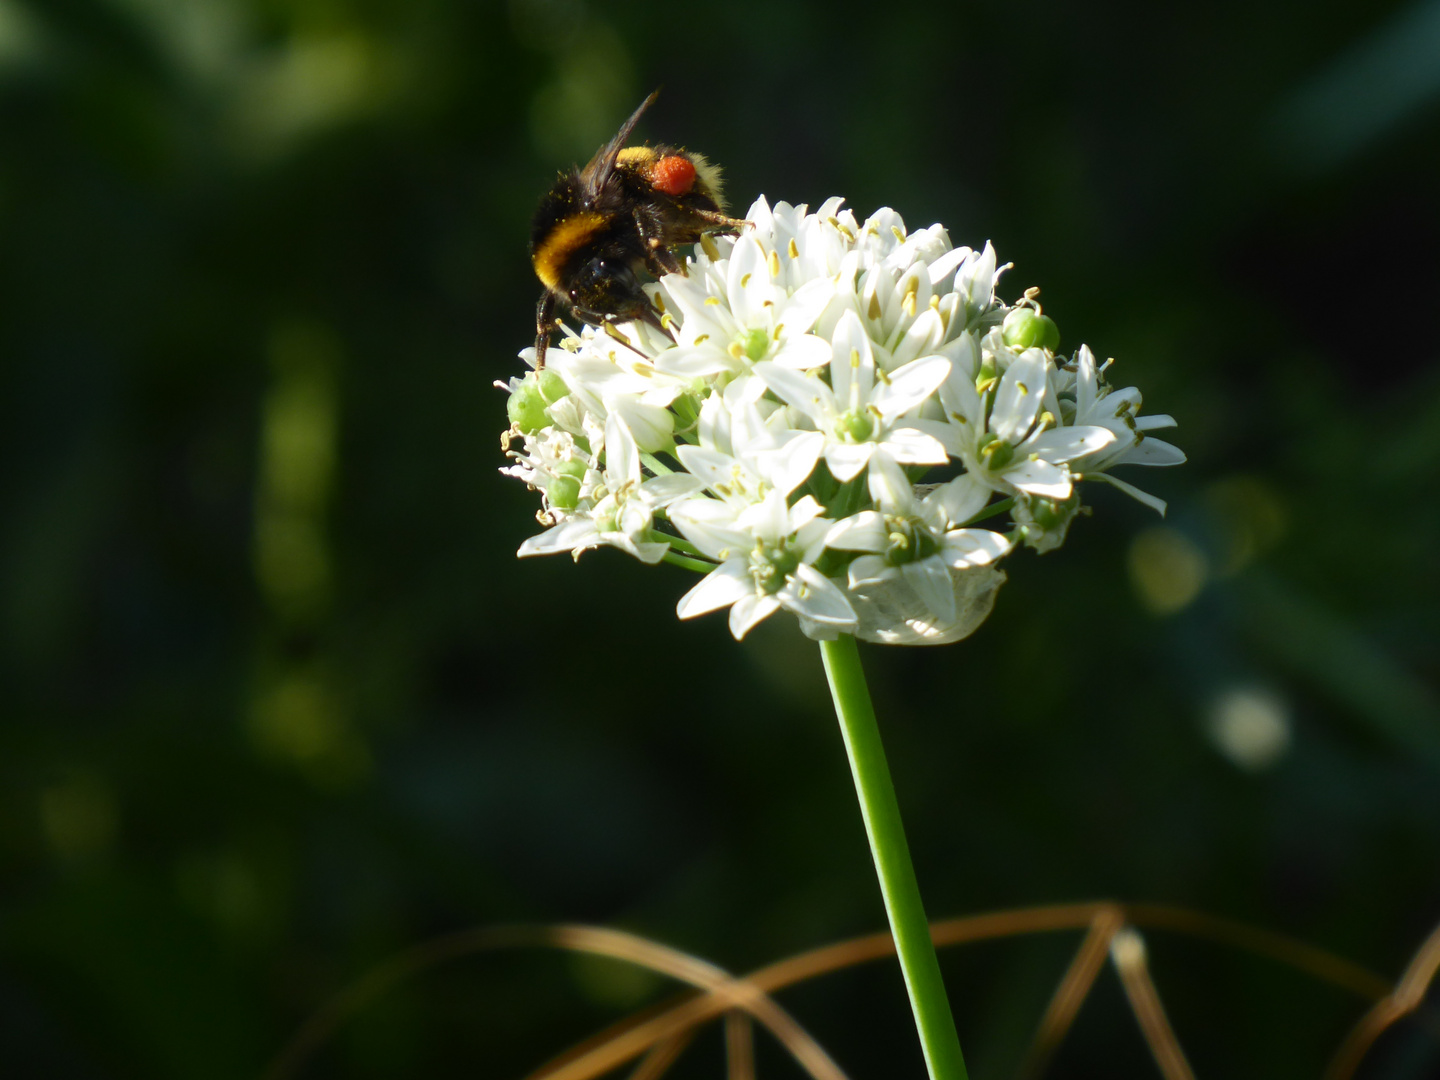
(891, 853)
(689, 564)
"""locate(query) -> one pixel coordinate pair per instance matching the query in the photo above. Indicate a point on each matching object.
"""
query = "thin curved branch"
(1409, 992)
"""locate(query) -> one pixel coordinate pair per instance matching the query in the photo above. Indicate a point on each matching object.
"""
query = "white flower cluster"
(810, 373)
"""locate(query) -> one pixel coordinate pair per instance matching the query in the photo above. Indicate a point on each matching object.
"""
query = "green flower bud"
(552, 386)
(574, 468)
(564, 492)
(1025, 328)
(1052, 513)
(526, 408)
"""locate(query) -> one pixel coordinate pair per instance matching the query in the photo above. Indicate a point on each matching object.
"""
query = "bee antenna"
(604, 161)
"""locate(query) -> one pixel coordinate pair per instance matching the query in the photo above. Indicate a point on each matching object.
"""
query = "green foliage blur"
(278, 700)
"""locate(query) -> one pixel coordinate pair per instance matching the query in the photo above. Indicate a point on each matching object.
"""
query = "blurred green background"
(279, 701)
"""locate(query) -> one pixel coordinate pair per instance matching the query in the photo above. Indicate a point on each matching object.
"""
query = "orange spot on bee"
(674, 175)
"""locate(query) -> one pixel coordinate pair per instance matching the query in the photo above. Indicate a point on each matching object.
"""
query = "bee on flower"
(826, 416)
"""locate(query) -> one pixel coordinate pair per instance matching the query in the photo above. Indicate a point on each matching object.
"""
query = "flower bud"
(1025, 328)
(552, 386)
(564, 489)
(526, 407)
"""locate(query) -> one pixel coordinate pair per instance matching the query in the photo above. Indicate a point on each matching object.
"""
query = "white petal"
(864, 531)
(846, 460)
(1018, 400)
(749, 611)
(652, 426)
(911, 446)
(714, 469)
(1152, 452)
(695, 362)
(803, 352)
(727, 583)
(811, 396)
(908, 386)
(1068, 443)
(815, 596)
(922, 337)
(961, 499)
(870, 570)
(1039, 478)
(768, 520)
(803, 514)
(644, 550)
(889, 487)
(663, 490)
(709, 524)
(852, 364)
(930, 579)
(798, 315)
(748, 281)
(1156, 504)
(973, 547)
(790, 464)
(945, 265)
(567, 536)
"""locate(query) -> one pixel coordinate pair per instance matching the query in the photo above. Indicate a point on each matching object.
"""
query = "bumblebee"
(600, 228)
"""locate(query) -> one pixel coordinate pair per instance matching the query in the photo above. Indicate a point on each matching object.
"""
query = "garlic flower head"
(774, 435)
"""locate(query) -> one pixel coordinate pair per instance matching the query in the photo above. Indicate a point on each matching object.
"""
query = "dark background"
(279, 701)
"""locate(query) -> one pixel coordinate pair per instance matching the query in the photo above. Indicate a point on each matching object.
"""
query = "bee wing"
(595, 175)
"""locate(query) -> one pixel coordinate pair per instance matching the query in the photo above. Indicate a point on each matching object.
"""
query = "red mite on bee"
(600, 228)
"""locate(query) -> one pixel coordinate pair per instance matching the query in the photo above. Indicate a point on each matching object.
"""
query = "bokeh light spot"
(1167, 570)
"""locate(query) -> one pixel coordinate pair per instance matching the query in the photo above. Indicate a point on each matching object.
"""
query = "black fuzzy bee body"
(600, 229)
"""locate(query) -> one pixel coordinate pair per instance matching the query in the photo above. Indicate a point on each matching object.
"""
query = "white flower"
(1006, 434)
(910, 539)
(860, 411)
(616, 507)
(766, 554)
(1118, 411)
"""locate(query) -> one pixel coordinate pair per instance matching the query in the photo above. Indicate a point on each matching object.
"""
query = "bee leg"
(660, 260)
(720, 222)
(544, 323)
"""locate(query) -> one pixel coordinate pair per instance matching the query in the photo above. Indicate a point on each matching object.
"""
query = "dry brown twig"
(1409, 992)
(659, 1034)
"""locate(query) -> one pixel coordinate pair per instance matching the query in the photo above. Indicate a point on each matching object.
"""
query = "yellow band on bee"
(567, 235)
